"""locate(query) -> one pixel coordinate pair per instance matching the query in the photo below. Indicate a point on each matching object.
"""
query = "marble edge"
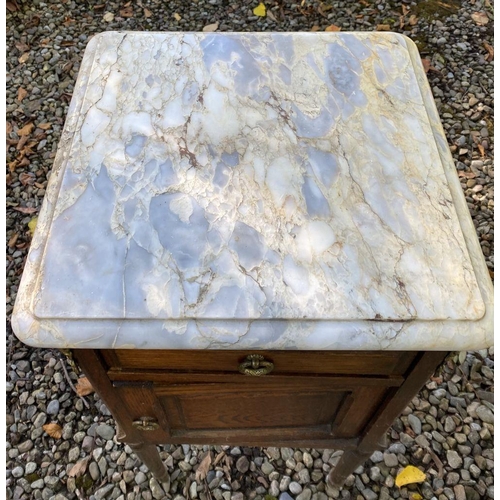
(24, 323)
(459, 202)
(331, 335)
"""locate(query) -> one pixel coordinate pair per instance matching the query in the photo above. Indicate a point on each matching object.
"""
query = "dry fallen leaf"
(481, 149)
(416, 496)
(27, 178)
(26, 130)
(53, 430)
(332, 27)
(480, 18)
(202, 470)
(410, 475)
(24, 58)
(32, 225)
(25, 210)
(211, 27)
(128, 11)
(426, 63)
(79, 468)
(271, 16)
(13, 239)
(108, 17)
(22, 47)
(315, 28)
(83, 387)
(219, 457)
(413, 20)
(383, 27)
(21, 94)
(177, 17)
(489, 48)
(11, 6)
(260, 10)
(147, 12)
(44, 126)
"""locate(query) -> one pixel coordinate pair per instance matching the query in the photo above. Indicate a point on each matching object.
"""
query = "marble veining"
(274, 191)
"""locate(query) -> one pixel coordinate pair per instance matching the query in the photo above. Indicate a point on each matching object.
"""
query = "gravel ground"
(446, 430)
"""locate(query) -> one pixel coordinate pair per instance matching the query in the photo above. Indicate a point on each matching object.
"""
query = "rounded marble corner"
(25, 325)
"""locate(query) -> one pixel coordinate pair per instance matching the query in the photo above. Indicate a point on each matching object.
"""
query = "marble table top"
(254, 190)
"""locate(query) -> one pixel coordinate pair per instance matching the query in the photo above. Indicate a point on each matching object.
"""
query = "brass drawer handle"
(146, 424)
(256, 365)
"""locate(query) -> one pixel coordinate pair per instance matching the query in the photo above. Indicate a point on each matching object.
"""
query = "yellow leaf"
(260, 10)
(32, 225)
(177, 16)
(83, 387)
(409, 475)
(53, 430)
(416, 496)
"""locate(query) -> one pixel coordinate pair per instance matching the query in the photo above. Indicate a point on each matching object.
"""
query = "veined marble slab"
(254, 190)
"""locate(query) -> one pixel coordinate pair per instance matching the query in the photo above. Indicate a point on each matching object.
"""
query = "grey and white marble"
(277, 191)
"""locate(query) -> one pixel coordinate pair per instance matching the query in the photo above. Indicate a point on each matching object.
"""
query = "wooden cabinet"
(342, 400)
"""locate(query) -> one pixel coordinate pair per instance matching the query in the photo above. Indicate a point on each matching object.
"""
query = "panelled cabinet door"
(277, 411)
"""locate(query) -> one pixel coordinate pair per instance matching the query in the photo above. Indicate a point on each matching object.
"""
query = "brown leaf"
(79, 468)
(489, 48)
(99, 7)
(44, 126)
(26, 130)
(24, 58)
(128, 11)
(53, 430)
(25, 210)
(22, 47)
(21, 94)
(27, 178)
(147, 12)
(219, 457)
(480, 18)
(11, 6)
(413, 20)
(315, 28)
(426, 63)
(13, 239)
(481, 149)
(177, 17)
(202, 470)
(12, 165)
(22, 142)
(211, 27)
(271, 16)
(332, 27)
(383, 27)
(83, 387)
(405, 9)
(467, 175)
(8, 128)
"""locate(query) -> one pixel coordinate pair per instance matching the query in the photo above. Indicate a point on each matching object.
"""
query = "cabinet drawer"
(285, 362)
(266, 412)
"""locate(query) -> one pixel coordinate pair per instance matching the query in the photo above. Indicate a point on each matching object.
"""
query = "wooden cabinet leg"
(150, 456)
(348, 462)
